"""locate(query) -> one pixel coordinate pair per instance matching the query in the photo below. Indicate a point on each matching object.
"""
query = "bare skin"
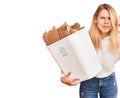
(103, 22)
(71, 82)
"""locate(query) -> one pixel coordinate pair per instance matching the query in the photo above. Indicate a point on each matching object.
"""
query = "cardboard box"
(76, 54)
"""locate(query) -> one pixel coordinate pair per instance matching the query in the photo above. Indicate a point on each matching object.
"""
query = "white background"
(27, 69)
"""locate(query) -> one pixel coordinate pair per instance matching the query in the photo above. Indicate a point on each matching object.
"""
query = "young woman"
(106, 40)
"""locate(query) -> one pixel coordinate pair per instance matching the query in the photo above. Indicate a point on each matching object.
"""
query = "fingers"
(76, 79)
(71, 82)
(74, 82)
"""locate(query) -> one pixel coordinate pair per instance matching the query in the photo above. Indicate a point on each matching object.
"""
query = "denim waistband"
(104, 78)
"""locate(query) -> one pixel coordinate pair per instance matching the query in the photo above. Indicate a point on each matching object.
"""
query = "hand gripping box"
(76, 54)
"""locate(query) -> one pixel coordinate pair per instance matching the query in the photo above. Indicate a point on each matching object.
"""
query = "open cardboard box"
(76, 54)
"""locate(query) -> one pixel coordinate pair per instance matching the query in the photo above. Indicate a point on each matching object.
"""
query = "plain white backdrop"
(27, 69)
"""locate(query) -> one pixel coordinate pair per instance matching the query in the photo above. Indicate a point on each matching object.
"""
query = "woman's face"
(103, 22)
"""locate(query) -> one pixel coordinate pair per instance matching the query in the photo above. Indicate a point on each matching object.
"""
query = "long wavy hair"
(95, 33)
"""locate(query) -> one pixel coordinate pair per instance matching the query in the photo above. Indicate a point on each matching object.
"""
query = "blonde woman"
(106, 40)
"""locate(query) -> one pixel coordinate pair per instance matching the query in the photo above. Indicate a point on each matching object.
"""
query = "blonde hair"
(95, 33)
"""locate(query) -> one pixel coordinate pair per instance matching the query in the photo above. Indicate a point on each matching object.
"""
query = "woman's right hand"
(71, 82)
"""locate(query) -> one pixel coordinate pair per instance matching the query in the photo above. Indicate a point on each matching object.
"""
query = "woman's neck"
(103, 35)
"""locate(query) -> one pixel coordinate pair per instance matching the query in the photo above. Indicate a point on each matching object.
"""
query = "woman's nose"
(106, 20)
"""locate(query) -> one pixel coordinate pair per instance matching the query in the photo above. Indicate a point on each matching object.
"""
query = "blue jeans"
(102, 87)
